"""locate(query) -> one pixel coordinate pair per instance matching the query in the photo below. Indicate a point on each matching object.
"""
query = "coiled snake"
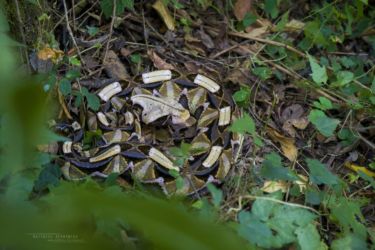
(138, 125)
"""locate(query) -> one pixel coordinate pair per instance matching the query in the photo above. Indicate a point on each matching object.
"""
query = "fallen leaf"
(293, 111)
(114, 67)
(294, 25)
(300, 123)
(158, 62)
(257, 32)
(302, 183)
(49, 53)
(163, 11)
(358, 168)
(287, 144)
(240, 9)
(206, 39)
(273, 186)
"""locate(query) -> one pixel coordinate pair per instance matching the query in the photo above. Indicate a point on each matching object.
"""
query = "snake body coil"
(139, 126)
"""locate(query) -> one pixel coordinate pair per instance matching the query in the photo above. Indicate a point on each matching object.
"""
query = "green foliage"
(92, 30)
(263, 73)
(323, 104)
(319, 73)
(246, 125)
(65, 87)
(273, 169)
(319, 174)
(347, 213)
(135, 58)
(324, 124)
(217, 194)
(181, 153)
(273, 225)
(50, 175)
(249, 19)
(271, 8)
(169, 225)
(121, 5)
(242, 97)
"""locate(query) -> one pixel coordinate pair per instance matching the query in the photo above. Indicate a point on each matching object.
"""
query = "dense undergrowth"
(302, 72)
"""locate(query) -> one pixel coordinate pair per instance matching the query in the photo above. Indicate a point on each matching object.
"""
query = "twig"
(270, 42)
(20, 23)
(252, 197)
(71, 33)
(110, 31)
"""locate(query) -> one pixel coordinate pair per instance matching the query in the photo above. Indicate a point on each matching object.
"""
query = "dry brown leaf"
(290, 125)
(163, 11)
(273, 186)
(114, 67)
(49, 53)
(158, 62)
(302, 183)
(241, 7)
(358, 168)
(287, 144)
(294, 25)
(257, 32)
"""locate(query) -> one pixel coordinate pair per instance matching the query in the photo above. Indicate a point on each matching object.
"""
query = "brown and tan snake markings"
(141, 122)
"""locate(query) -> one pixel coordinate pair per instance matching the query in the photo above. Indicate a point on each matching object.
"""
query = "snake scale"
(139, 123)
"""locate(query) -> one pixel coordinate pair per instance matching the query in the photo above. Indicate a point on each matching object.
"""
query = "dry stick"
(110, 32)
(71, 33)
(20, 23)
(252, 197)
(296, 76)
(288, 47)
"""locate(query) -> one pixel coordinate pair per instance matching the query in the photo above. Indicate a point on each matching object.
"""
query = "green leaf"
(263, 73)
(284, 20)
(323, 104)
(78, 99)
(319, 173)
(242, 96)
(347, 136)
(273, 169)
(72, 74)
(343, 78)
(73, 60)
(309, 238)
(348, 214)
(373, 86)
(135, 58)
(75, 209)
(249, 19)
(217, 194)
(324, 124)
(50, 175)
(313, 197)
(93, 101)
(319, 73)
(271, 8)
(92, 30)
(271, 224)
(243, 125)
(349, 242)
(107, 6)
(65, 87)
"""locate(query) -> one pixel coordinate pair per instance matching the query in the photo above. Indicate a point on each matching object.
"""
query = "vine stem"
(252, 197)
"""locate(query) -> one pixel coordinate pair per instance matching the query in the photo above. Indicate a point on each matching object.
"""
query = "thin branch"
(71, 33)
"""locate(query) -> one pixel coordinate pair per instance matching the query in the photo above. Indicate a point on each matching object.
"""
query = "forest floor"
(302, 73)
